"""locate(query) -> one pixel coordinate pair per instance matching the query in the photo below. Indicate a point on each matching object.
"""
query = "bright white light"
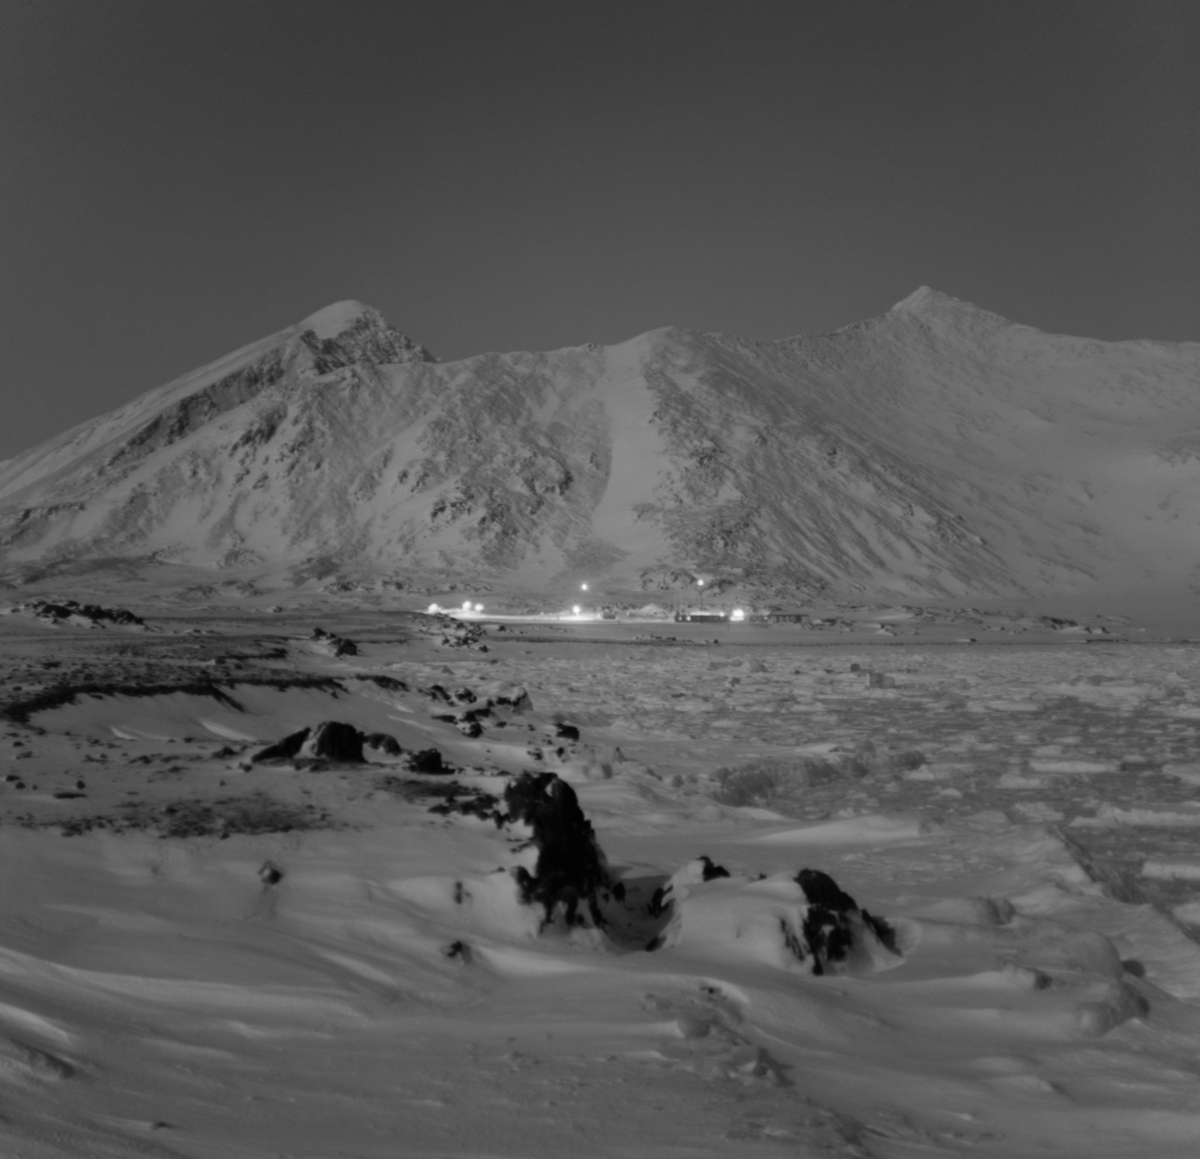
(433, 609)
(575, 610)
(583, 587)
(700, 583)
(737, 614)
(479, 607)
(466, 605)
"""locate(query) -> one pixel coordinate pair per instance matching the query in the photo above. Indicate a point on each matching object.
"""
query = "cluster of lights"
(467, 609)
(577, 609)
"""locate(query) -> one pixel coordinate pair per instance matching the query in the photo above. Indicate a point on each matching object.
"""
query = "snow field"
(386, 990)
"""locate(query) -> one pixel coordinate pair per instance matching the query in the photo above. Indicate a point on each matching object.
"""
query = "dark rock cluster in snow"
(834, 925)
(571, 872)
(60, 612)
(334, 644)
(330, 740)
(335, 742)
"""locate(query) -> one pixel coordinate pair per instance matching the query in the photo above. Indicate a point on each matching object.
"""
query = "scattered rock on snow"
(382, 742)
(330, 740)
(332, 644)
(429, 761)
(60, 612)
(784, 920)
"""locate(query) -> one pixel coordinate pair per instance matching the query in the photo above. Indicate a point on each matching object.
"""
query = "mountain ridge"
(937, 450)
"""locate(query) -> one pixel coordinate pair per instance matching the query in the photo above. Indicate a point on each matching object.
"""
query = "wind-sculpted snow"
(802, 920)
(840, 900)
(937, 449)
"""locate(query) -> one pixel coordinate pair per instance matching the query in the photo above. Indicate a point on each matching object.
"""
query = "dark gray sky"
(179, 178)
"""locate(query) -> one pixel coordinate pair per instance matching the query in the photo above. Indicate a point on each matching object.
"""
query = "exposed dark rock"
(566, 731)
(513, 696)
(338, 645)
(466, 802)
(19, 711)
(382, 742)
(711, 872)
(388, 683)
(221, 818)
(330, 740)
(701, 870)
(571, 869)
(428, 761)
(61, 611)
(833, 923)
(282, 750)
(334, 741)
(456, 634)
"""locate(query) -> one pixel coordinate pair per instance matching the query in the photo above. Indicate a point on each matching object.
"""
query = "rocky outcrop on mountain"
(935, 450)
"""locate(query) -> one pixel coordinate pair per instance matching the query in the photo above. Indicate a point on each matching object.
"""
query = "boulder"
(330, 740)
(282, 750)
(834, 926)
(382, 742)
(570, 874)
(429, 761)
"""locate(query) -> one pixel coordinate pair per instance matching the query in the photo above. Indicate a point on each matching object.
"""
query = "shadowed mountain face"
(938, 450)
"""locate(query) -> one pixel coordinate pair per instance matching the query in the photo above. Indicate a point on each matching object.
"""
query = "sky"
(180, 178)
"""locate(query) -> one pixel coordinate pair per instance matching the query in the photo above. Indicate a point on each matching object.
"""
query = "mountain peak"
(925, 299)
(933, 307)
(332, 320)
(349, 331)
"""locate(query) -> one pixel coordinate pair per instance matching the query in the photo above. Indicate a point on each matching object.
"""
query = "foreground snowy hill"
(938, 450)
(592, 897)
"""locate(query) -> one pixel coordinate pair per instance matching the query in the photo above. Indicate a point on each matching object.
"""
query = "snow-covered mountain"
(936, 450)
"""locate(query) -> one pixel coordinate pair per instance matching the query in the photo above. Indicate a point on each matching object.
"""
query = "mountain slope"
(936, 450)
